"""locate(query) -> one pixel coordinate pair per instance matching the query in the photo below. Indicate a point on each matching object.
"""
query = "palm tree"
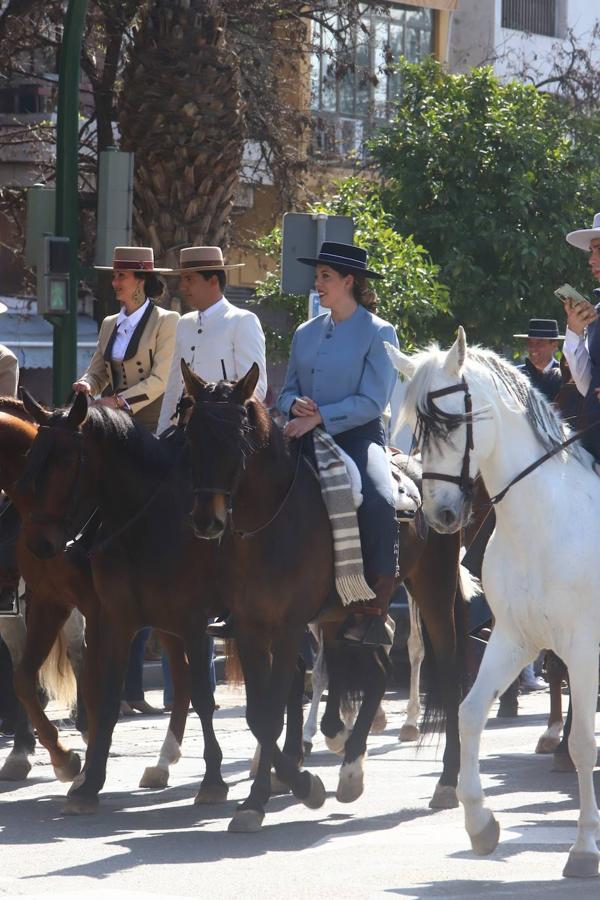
(181, 113)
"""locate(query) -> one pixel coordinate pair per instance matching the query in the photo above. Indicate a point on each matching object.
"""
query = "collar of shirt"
(549, 366)
(126, 324)
(206, 314)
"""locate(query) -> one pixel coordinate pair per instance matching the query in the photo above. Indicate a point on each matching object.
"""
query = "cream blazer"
(144, 369)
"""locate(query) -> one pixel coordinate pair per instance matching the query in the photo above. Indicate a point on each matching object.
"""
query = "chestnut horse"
(147, 567)
(56, 587)
(257, 497)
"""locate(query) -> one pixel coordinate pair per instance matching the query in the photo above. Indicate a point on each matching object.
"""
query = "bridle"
(448, 420)
(212, 410)
(437, 418)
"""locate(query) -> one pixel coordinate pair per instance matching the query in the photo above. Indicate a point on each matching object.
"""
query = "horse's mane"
(515, 389)
(117, 433)
(14, 407)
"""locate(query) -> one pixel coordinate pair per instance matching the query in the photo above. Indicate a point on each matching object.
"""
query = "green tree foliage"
(489, 177)
(410, 294)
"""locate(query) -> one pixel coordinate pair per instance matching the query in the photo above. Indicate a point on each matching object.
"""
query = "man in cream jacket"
(217, 340)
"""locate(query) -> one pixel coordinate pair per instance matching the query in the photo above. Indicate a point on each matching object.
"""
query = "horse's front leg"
(44, 622)
(199, 649)
(16, 766)
(502, 661)
(550, 739)
(416, 653)
(583, 677)
(158, 776)
(104, 675)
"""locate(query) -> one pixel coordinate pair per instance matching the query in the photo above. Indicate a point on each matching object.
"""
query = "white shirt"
(577, 355)
(221, 342)
(126, 325)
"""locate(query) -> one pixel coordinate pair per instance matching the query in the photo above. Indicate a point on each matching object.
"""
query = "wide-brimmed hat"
(584, 237)
(345, 256)
(203, 259)
(546, 329)
(134, 259)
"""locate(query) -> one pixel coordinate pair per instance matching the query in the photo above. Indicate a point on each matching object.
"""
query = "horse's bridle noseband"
(464, 480)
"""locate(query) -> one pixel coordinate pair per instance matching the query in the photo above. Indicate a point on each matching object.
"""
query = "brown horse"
(56, 587)
(256, 495)
(147, 566)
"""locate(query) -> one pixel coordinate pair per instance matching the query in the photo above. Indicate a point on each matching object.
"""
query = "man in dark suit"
(541, 366)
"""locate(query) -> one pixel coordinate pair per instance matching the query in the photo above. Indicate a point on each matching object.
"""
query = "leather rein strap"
(464, 481)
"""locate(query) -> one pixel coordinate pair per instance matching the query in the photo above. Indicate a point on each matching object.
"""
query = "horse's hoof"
(246, 821)
(507, 711)
(71, 770)
(547, 744)
(379, 722)
(351, 783)
(409, 734)
(444, 797)
(211, 793)
(154, 777)
(278, 786)
(316, 795)
(581, 865)
(80, 806)
(307, 747)
(562, 762)
(486, 841)
(16, 768)
(337, 743)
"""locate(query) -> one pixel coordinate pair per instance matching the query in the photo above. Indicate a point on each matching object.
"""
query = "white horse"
(539, 579)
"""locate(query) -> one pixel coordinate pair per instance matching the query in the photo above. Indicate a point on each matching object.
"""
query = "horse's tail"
(56, 675)
(233, 667)
(439, 674)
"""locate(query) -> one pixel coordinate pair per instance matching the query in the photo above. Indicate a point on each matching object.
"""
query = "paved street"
(148, 843)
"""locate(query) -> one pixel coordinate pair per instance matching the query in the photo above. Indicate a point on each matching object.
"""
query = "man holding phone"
(582, 341)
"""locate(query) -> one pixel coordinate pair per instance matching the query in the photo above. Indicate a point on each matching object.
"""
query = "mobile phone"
(566, 292)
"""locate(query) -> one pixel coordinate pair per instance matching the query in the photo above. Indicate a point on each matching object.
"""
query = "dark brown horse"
(147, 566)
(255, 495)
(56, 586)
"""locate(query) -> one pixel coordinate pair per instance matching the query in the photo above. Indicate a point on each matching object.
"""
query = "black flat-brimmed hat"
(547, 329)
(345, 256)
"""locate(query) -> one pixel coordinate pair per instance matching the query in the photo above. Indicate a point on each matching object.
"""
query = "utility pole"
(64, 356)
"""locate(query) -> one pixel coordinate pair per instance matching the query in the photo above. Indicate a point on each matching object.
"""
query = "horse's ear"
(193, 383)
(455, 358)
(401, 361)
(35, 409)
(78, 412)
(244, 388)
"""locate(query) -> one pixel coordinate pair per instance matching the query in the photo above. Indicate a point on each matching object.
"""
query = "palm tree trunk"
(181, 113)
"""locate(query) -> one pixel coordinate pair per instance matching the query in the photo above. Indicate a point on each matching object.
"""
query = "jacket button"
(192, 348)
(199, 331)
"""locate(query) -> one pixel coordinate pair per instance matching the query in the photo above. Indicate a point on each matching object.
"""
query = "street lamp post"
(67, 207)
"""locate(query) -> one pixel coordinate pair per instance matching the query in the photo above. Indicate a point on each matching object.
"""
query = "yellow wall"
(266, 211)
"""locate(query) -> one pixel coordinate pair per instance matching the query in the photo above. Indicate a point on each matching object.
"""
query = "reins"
(248, 534)
(464, 481)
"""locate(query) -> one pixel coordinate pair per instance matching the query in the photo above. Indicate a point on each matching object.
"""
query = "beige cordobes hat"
(135, 259)
(203, 259)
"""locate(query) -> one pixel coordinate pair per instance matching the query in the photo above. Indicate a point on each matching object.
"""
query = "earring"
(139, 293)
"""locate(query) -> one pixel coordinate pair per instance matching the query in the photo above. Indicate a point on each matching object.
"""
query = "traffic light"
(53, 276)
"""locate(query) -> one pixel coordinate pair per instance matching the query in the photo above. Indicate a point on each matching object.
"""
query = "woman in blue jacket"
(340, 377)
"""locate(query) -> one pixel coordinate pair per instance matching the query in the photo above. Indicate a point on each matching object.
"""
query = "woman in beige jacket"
(131, 364)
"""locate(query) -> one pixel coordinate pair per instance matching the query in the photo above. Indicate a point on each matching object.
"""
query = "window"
(532, 16)
(24, 99)
(353, 90)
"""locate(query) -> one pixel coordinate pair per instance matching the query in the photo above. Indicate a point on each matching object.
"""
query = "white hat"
(584, 237)
(203, 259)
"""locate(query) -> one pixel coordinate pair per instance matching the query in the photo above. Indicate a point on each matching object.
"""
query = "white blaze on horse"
(539, 579)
